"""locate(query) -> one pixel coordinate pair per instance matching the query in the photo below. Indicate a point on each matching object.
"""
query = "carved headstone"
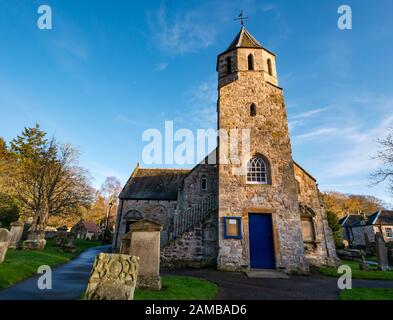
(145, 244)
(125, 245)
(382, 252)
(35, 241)
(16, 232)
(5, 238)
(113, 277)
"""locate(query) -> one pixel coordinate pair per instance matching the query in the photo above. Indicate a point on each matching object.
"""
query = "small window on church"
(257, 171)
(250, 62)
(269, 67)
(253, 110)
(229, 65)
(203, 183)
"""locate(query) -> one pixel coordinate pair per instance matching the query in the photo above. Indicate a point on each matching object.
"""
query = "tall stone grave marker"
(113, 277)
(382, 252)
(16, 232)
(145, 244)
(5, 238)
(125, 245)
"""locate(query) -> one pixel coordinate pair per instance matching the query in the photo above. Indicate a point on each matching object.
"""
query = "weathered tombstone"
(60, 237)
(5, 238)
(145, 244)
(16, 232)
(370, 246)
(382, 253)
(113, 277)
(390, 256)
(125, 245)
(68, 244)
(363, 265)
(35, 241)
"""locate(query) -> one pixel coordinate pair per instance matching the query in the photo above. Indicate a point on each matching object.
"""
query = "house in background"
(355, 227)
(86, 230)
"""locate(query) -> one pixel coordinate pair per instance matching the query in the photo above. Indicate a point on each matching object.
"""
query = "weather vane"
(241, 18)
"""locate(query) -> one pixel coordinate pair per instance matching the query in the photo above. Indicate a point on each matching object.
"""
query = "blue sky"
(108, 70)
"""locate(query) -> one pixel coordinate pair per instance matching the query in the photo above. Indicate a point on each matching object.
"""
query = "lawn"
(180, 288)
(20, 264)
(367, 294)
(373, 274)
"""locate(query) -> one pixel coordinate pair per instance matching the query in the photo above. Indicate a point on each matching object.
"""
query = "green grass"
(373, 274)
(180, 288)
(367, 294)
(20, 264)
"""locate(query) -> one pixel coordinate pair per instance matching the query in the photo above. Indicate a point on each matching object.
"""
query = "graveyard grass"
(20, 264)
(367, 294)
(372, 274)
(180, 288)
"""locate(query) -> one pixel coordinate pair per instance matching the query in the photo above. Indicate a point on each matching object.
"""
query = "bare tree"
(385, 155)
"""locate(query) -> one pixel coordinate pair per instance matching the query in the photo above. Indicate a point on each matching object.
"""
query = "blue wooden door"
(261, 241)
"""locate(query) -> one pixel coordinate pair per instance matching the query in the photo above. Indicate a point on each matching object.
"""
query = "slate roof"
(244, 40)
(351, 220)
(153, 184)
(383, 217)
(91, 226)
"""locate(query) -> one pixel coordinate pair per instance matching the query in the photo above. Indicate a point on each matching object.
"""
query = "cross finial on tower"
(241, 18)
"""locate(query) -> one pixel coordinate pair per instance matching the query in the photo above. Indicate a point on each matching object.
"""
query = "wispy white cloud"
(310, 113)
(317, 133)
(201, 109)
(161, 66)
(181, 32)
(76, 49)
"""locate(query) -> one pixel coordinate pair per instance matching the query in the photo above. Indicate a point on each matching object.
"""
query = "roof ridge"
(174, 169)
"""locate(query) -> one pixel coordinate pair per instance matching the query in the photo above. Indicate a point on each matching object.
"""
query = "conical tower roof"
(244, 40)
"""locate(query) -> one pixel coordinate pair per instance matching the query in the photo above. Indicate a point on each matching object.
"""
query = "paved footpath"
(69, 280)
(237, 286)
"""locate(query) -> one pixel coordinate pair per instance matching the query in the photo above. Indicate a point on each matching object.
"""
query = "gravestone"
(60, 237)
(363, 265)
(113, 277)
(68, 244)
(16, 232)
(145, 244)
(125, 245)
(5, 238)
(35, 241)
(382, 252)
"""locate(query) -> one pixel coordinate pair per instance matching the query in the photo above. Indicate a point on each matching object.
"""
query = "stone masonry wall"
(270, 138)
(191, 193)
(196, 248)
(132, 210)
(322, 251)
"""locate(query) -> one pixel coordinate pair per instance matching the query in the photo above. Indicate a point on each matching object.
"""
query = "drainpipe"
(118, 224)
(323, 221)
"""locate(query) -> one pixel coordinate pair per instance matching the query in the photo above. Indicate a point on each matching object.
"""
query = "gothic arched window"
(250, 62)
(204, 183)
(229, 65)
(253, 110)
(257, 171)
(269, 67)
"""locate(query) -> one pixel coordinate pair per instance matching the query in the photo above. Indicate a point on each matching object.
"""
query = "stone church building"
(269, 217)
